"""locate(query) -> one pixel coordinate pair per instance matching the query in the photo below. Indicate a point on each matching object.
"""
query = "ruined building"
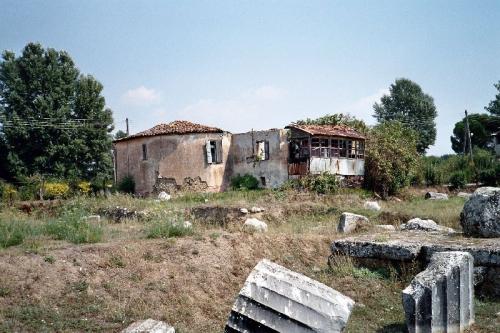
(185, 156)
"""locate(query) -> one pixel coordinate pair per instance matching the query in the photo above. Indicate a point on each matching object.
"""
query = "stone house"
(185, 156)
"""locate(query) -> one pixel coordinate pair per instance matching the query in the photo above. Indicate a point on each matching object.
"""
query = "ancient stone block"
(481, 214)
(255, 224)
(372, 205)
(275, 299)
(385, 227)
(424, 225)
(349, 222)
(149, 326)
(464, 195)
(436, 196)
(441, 298)
(164, 196)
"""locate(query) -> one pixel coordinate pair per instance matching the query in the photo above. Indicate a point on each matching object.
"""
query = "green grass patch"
(167, 230)
(14, 232)
(72, 227)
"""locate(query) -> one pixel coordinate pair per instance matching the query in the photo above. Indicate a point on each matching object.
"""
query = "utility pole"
(126, 121)
(468, 135)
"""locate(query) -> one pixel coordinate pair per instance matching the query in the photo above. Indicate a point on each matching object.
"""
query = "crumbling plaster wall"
(178, 157)
(244, 148)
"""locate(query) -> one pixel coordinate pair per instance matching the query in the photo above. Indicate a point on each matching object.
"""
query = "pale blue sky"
(261, 64)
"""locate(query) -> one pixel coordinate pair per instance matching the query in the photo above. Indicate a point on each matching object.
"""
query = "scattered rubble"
(441, 298)
(256, 224)
(436, 196)
(244, 210)
(276, 299)
(480, 216)
(149, 326)
(372, 205)
(424, 225)
(164, 196)
(349, 222)
(256, 209)
(118, 214)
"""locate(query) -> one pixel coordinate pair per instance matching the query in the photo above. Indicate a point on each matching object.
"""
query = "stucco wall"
(340, 166)
(275, 169)
(176, 157)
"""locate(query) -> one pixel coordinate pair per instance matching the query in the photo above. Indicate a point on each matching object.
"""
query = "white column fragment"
(441, 298)
(275, 299)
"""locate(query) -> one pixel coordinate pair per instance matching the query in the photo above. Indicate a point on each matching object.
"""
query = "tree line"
(54, 123)
(406, 128)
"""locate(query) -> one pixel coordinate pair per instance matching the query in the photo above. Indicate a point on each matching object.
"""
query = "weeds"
(4, 291)
(80, 286)
(168, 230)
(73, 228)
(49, 259)
(15, 232)
(116, 261)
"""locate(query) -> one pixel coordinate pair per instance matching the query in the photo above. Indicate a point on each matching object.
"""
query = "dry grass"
(191, 281)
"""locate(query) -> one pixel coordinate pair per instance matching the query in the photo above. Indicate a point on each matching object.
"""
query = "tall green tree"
(409, 105)
(120, 135)
(494, 106)
(54, 119)
(481, 127)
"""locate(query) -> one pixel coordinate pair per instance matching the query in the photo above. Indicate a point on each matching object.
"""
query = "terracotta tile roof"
(329, 130)
(175, 127)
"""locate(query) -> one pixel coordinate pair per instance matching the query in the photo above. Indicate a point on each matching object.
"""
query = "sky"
(242, 65)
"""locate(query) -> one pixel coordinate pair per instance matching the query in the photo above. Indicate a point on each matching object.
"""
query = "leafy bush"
(84, 187)
(324, 183)
(245, 182)
(490, 177)
(168, 229)
(9, 193)
(55, 190)
(392, 159)
(127, 185)
(458, 180)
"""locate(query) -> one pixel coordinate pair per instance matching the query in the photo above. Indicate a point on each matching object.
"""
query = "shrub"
(167, 230)
(489, 177)
(9, 193)
(84, 187)
(391, 159)
(55, 190)
(127, 185)
(290, 184)
(432, 175)
(245, 182)
(458, 180)
(324, 183)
